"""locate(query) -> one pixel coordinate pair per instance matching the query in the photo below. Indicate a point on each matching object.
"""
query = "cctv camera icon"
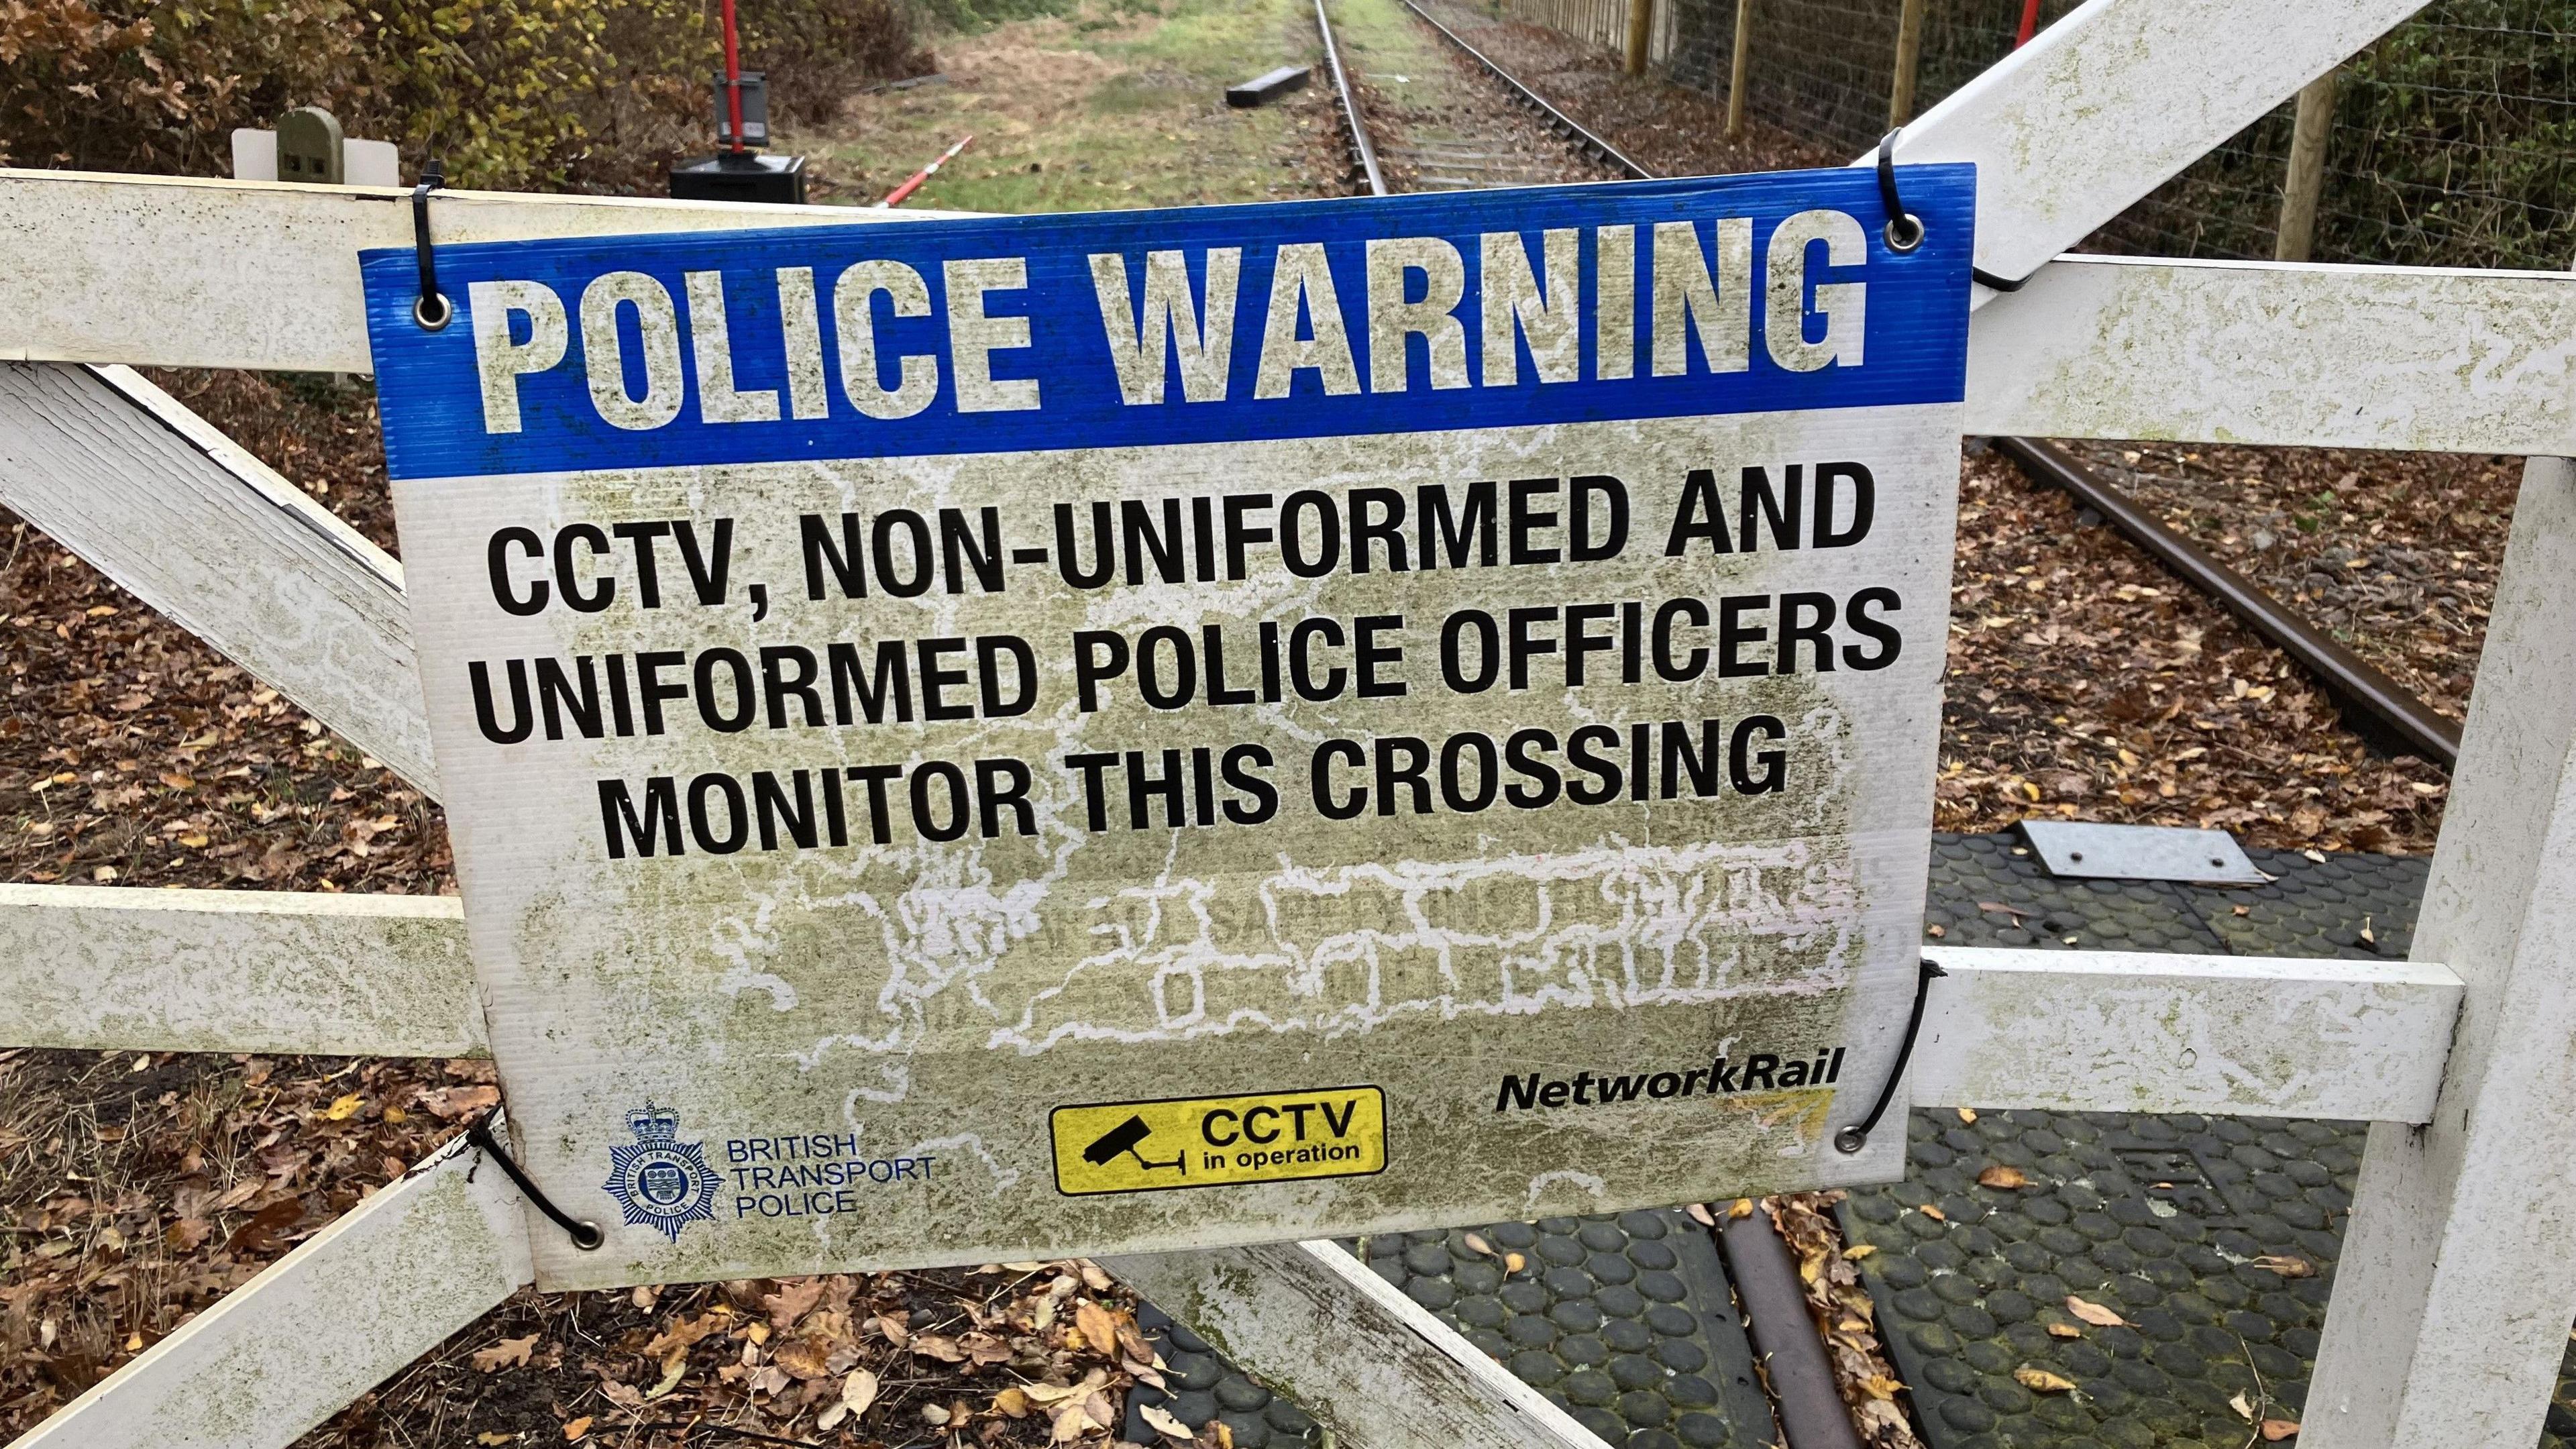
(1121, 1140)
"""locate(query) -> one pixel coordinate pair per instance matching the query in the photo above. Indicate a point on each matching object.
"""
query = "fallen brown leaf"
(259, 1235)
(1162, 1422)
(2094, 1313)
(681, 1335)
(1967, 1115)
(1099, 1331)
(2276, 1430)
(2000, 1176)
(858, 1391)
(1935, 1214)
(508, 1353)
(2064, 1330)
(803, 1358)
(2287, 1265)
(793, 1300)
(452, 1103)
(578, 1427)
(2041, 1381)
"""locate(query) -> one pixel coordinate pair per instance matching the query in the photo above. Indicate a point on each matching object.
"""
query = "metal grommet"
(1851, 1139)
(437, 320)
(586, 1235)
(1904, 233)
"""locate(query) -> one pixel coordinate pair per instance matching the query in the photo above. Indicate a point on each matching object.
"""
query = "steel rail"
(1554, 117)
(2404, 719)
(1350, 106)
(1785, 1339)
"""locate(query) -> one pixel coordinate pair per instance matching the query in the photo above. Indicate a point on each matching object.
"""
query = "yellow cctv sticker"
(1218, 1141)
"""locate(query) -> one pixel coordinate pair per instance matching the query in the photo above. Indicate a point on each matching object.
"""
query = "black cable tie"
(1904, 230)
(585, 1235)
(431, 310)
(1856, 1136)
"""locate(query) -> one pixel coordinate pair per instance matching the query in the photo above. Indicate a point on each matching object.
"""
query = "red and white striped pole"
(913, 183)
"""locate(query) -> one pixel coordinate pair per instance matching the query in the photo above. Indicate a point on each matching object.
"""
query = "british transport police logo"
(659, 1179)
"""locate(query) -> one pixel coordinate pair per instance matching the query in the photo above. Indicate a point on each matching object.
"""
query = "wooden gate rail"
(123, 475)
(2094, 347)
(2071, 1031)
(2460, 1243)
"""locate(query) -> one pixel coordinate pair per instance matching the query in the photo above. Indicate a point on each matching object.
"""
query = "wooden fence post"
(2306, 177)
(1641, 34)
(1909, 56)
(2458, 1273)
(1742, 70)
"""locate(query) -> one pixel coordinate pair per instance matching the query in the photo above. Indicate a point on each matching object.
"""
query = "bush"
(595, 95)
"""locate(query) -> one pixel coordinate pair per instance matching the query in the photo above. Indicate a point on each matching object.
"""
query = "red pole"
(2029, 22)
(733, 75)
(913, 182)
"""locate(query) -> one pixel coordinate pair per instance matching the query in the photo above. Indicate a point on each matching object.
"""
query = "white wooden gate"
(2462, 1245)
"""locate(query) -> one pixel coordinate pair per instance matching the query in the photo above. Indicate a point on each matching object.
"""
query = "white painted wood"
(1317, 1325)
(2434, 359)
(105, 967)
(2095, 347)
(2458, 1274)
(2114, 99)
(120, 473)
(2131, 1031)
(262, 274)
(389, 1281)
(109, 967)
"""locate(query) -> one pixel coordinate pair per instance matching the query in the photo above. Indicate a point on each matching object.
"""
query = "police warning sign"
(963, 739)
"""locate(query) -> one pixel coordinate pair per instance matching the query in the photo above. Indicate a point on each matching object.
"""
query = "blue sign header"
(1304, 319)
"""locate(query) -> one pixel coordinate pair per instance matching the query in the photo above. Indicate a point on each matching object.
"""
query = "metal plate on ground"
(2081, 850)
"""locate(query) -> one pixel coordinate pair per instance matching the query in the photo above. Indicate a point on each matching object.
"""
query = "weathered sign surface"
(1007, 738)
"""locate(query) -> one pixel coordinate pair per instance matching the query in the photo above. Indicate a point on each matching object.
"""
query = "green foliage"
(509, 94)
(2453, 140)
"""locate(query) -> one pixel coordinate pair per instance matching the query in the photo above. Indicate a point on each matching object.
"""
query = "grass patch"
(1109, 104)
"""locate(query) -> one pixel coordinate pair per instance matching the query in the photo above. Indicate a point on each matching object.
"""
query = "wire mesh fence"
(2452, 143)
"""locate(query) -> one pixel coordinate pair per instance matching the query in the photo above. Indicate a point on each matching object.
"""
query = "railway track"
(1443, 156)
